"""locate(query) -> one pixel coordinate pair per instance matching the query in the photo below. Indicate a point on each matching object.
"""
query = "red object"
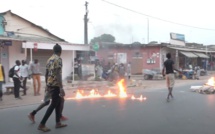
(35, 46)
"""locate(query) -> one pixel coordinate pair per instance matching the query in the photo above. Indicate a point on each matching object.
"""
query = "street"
(187, 113)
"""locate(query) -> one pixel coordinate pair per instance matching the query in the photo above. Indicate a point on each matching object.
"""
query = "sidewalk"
(136, 85)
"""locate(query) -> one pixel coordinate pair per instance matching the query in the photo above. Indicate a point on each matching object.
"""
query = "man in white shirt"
(16, 80)
(24, 71)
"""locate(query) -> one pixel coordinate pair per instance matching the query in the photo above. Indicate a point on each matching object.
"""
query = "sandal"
(44, 129)
(60, 125)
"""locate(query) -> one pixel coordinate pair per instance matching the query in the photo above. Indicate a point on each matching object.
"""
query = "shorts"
(170, 80)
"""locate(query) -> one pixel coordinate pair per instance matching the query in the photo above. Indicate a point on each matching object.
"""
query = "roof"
(38, 40)
(188, 54)
(9, 11)
(193, 49)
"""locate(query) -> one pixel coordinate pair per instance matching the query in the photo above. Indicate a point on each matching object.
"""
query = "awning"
(201, 55)
(188, 54)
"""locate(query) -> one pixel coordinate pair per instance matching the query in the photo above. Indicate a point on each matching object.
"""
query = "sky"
(64, 18)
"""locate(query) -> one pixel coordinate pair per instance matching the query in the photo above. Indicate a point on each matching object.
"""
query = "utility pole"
(147, 30)
(85, 25)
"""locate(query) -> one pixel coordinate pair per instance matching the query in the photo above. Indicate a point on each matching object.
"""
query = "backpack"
(11, 72)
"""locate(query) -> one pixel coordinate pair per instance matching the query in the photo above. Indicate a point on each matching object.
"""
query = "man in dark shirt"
(54, 85)
(168, 71)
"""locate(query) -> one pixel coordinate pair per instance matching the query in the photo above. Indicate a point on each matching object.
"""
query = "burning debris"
(207, 88)
(121, 93)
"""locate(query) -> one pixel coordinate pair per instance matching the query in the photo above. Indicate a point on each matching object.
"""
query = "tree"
(136, 43)
(103, 38)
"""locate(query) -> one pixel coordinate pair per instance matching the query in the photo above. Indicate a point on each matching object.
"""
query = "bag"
(11, 72)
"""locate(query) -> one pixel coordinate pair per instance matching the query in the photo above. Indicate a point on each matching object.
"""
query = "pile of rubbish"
(205, 89)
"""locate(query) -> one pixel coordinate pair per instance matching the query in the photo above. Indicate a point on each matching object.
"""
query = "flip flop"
(60, 125)
(44, 129)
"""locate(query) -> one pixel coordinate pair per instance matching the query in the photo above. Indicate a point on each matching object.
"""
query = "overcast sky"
(64, 18)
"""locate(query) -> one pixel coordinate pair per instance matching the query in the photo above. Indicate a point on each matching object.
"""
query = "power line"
(125, 8)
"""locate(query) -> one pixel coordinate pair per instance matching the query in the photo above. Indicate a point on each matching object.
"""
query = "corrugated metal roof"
(188, 54)
(190, 49)
(201, 55)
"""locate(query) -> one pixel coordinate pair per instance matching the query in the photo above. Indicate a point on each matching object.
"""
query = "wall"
(67, 58)
(15, 53)
(151, 58)
(138, 62)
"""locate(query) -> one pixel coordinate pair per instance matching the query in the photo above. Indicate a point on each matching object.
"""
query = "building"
(152, 56)
(21, 39)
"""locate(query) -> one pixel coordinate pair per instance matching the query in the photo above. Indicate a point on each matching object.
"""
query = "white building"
(22, 39)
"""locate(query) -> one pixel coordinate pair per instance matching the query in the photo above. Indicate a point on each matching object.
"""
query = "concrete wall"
(67, 58)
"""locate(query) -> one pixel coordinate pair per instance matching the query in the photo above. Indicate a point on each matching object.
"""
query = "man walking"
(35, 69)
(168, 71)
(55, 87)
(2, 80)
(16, 80)
(46, 102)
(24, 75)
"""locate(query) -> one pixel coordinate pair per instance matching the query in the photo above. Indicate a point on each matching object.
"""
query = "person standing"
(168, 71)
(54, 85)
(2, 80)
(24, 72)
(129, 70)
(16, 80)
(122, 71)
(35, 69)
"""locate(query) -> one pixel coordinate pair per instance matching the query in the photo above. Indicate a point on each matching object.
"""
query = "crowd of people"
(21, 72)
(112, 72)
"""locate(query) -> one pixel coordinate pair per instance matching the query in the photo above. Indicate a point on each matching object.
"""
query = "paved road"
(188, 113)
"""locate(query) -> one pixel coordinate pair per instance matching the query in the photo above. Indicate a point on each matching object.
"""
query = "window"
(137, 55)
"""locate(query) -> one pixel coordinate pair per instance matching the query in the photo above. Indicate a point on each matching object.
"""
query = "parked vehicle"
(151, 74)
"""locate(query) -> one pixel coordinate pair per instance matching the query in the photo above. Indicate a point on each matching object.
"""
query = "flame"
(109, 94)
(122, 92)
(95, 94)
(211, 82)
(141, 98)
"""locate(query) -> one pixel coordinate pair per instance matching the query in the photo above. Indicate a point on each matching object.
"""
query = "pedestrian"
(115, 72)
(35, 69)
(129, 70)
(46, 102)
(2, 80)
(16, 80)
(54, 85)
(121, 71)
(24, 72)
(76, 66)
(168, 71)
(79, 70)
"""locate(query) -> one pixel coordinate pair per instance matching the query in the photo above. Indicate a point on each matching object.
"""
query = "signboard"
(6, 42)
(96, 46)
(177, 39)
(175, 36)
